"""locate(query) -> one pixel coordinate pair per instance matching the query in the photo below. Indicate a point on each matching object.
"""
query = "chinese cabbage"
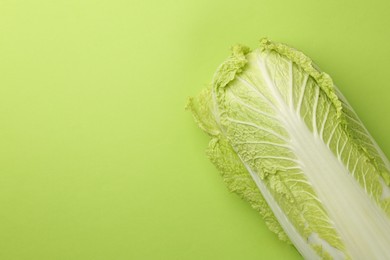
(286, 140)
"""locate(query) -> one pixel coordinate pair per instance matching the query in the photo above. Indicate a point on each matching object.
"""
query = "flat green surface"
(98, 158)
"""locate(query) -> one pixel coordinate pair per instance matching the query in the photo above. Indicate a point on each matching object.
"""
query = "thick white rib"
(362, 225)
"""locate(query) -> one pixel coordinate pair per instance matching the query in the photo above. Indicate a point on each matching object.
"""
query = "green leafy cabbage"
(286, 140)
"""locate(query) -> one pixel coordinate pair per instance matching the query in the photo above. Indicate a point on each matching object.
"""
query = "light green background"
(99, 160)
